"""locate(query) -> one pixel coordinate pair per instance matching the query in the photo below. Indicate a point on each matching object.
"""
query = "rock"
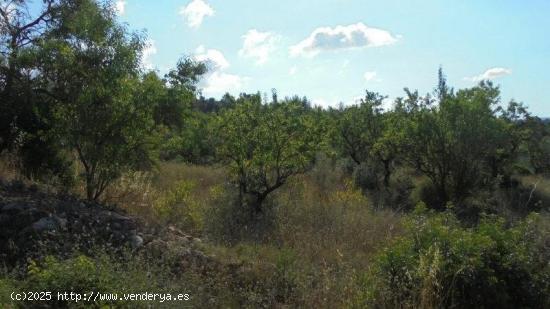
(113, 216)
(174, 230)
(184, 241)
(16, 207)
(17, 185)
(62, 222)
(156, 248)
(136, 241)
(40, 224)
(46, 224)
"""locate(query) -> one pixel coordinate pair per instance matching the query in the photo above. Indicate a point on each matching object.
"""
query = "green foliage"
(7, 286)
(264, 145)
(93, 63)
(188, 143)
(451, 143)
(187, 74)
(80, 275)
(72, 90)
(441, 264)
(176, 206)
(538, 144)
(358, 128)
(100, 274)
(24, 107)
(362, 132)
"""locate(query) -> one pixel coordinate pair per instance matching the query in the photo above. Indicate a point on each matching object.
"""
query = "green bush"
(101, 274)
(441, 264)
(177, 206)
(7, 286)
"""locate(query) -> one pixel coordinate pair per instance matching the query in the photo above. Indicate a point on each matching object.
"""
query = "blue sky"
(331, 51)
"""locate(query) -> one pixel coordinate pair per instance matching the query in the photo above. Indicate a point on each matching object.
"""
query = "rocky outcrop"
(34, 224)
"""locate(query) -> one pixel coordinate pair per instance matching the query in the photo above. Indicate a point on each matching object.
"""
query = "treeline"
(76, 106)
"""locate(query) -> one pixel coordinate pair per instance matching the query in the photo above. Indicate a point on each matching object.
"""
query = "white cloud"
(370, 76)
(388, 104)
(356, 100)
(213, 57)
(342, 37)
(258, 45)
(120, 7)
(149, 50)
(345, 64)
(320, 102)
(292, 71)
(325, 103)
(195, 11)
(218, 83)
(490, 74)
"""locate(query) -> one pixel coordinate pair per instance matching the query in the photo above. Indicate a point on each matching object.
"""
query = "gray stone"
(136, 241)
(16, 207)
(113, 216)
(62, 222)
(46, 224)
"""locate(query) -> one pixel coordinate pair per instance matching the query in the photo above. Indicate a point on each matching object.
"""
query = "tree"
(360, 134)
(359, 126)
(538, 144)
(451, 142)
(512, 134)
(91, 64)
(24, 108)
(176, 102)
(264, 145)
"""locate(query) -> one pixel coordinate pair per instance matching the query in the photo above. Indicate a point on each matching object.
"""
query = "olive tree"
(361, 134)
(91, 67)
(265, 144)
(451, 142)
(24, 108)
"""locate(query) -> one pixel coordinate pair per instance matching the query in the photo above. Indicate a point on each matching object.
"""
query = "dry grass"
(174, 193)
(333, 226)
(8, 168)
(539, 185)
(325, 232)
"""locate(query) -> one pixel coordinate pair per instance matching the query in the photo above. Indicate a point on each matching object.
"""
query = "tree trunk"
(387, 172)
(90, 187)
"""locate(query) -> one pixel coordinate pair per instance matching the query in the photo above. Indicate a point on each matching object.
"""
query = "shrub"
(7, 286)
(80, 275)
(177, 206)
(100, 274)
(441, 264)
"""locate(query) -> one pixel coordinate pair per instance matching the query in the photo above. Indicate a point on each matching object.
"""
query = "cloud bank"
(149, 50)
(258, 45)
(217, 81)
(120, 7)
(195, 12)
(490, 74)
(342, 37)
(213, 57)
